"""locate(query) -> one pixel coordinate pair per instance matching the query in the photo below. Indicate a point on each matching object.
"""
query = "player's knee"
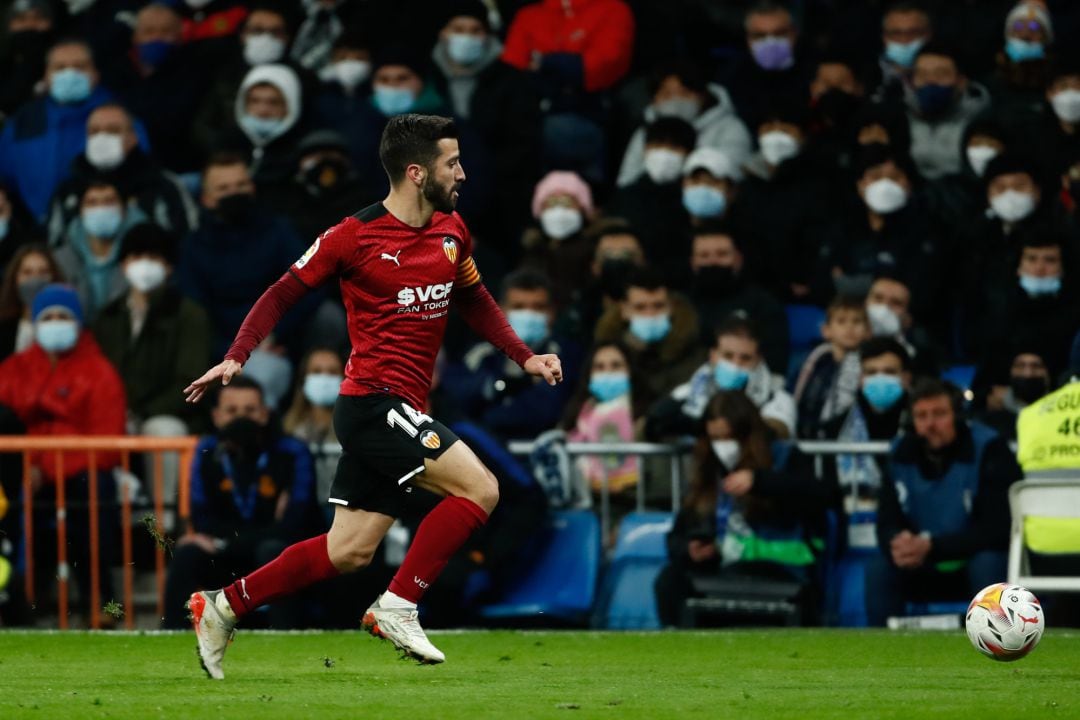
(351, 558)
(486, 492)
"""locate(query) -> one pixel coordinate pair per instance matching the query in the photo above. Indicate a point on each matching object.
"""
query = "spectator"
(31, 268)
(888, 307)
(310, 417)
(735, 364)
(710, 188)
(162, 81)
(323, 186)
(236, 253)
(837, 91)
(30, 25)
(650, 202)
(90, 247)
(1028, 379)
(940, 105)
(943, 516)
(577, 52)
(747, 515)
(881, 125)
(659, 329)
(63, 385)
(829, 379)
(1059, 134)
(679, 91)
(772, 67)
(496, 100)
(252, 494)
(154, 336)
(325, 22)
(607, 407)
(347, 72)
(985, 141)
(343, 100)
(1024, 66)
(905, 29)
(616, 252)
(721, 286)
(562, 204)
(499, 395)
(788, 202)
(878, 413)
(885, 233)
(16, 227)
(113, 154)
(45, 134)
(956, 199)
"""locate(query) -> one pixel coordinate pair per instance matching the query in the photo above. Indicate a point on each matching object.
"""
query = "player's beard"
(442, 199)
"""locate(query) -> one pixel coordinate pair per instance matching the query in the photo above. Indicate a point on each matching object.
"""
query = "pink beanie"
(562, 182)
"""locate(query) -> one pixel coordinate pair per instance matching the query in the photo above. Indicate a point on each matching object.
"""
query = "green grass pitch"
(804, 674)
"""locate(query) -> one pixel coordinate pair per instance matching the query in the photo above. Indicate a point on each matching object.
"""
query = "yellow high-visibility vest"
(1048, 431)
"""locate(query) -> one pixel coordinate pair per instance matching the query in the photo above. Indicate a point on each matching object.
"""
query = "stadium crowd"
(674, 197)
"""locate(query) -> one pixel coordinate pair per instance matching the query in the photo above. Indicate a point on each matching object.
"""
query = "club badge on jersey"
(449, 247)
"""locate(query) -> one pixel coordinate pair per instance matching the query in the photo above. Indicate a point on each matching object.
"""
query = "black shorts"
(384, 443)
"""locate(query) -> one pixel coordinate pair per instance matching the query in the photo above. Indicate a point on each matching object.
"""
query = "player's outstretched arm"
(548, 367)
(225, 370)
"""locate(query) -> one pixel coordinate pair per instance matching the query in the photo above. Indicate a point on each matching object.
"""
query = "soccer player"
(400, 263)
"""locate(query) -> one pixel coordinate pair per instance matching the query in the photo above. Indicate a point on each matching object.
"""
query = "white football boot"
(215, 623)
(401, 627)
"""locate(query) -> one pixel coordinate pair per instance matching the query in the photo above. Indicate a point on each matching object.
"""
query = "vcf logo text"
(431, 295)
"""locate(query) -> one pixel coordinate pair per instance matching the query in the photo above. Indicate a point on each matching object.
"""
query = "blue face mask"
(1039, 286)
(882, 391)
(261, 128)
(704, 201)
(606, 386)
(56, 336)
(903, 54)
(1023, 51)
(729, 376)
(102, 222)
(392, 100)
(155, 52)
(650, 328)
(935, 100)
(322, 388)
(531, 326)
(465, 49)
(69, 86)
(5, 225)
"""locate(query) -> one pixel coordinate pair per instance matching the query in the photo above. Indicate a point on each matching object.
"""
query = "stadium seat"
(959, 375)
(561, 584)
(627, 600)
(643, 535)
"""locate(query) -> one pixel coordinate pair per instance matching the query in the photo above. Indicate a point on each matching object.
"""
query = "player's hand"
(226, 370)
(548, 367)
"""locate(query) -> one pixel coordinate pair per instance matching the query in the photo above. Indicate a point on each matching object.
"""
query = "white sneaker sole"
(370, 623)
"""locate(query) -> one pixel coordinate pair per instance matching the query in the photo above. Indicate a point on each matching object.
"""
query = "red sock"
(442, 532)
(295, 568)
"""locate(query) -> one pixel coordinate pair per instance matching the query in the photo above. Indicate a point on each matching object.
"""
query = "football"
(1005, 622)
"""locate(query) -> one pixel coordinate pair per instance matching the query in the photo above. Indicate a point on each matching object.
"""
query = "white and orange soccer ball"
(1005, 622)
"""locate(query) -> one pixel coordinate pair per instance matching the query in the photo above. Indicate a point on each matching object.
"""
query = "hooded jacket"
(81, 395)
(717, 127)
(287, 83)
(937, 145)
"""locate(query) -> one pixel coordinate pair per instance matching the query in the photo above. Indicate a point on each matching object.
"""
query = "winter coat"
(936, 146)
(159, 193)
(172, 348)
(586, 43)
(664, 364)
(717, 127)
(81, 395)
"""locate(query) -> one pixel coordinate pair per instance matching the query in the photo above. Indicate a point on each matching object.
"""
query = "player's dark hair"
(737, 324)
(878, 346)
(646, 278)
(526, 279)
(412, 139)
(671, 131)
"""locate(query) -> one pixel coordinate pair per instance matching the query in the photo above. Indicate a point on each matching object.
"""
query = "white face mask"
(561, 222)
(1012, 206)
(885, 196)
(883, 321)
(1066, 105)
(727, 452)
(105, 150)
(663, 166)
(349, 73)
(980, 156)
(145, 274)
(777, 146)
(262, 49)
(684, 108)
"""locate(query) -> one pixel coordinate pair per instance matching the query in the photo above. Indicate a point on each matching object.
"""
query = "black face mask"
(836, 107)
(30, 44)
(613, 274)
(715, 281)
(236, 209)
(243, 438)
(1029, 389)
(325, 176)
